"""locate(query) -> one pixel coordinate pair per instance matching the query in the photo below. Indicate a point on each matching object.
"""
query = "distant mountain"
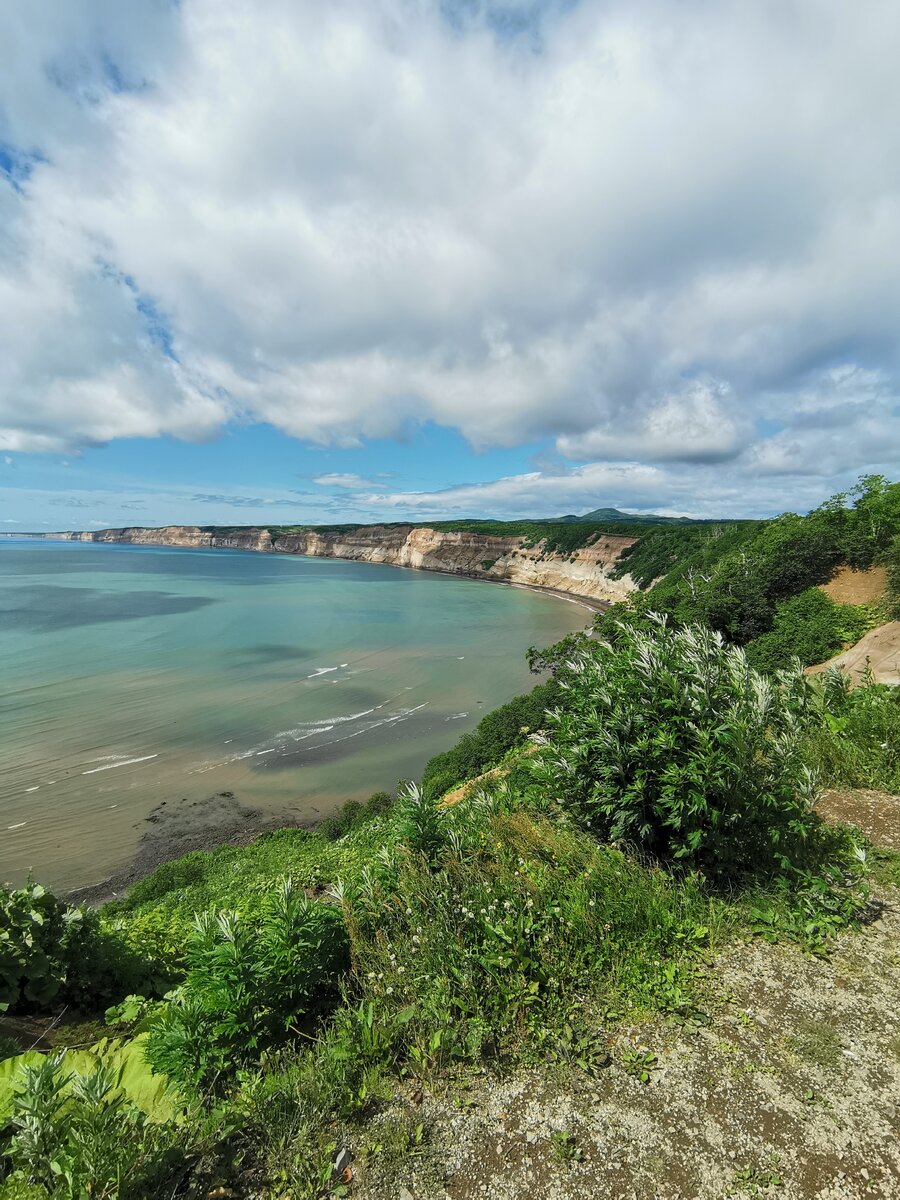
(616, 514)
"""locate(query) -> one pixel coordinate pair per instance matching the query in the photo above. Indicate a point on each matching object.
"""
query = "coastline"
(233, 825)
(173, 830)
(585, 574)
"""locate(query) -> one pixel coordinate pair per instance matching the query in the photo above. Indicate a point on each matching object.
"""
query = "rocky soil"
(791, 1090)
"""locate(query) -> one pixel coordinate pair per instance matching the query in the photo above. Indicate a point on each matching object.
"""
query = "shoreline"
(243, 826)
(172, 833)
(592, 603)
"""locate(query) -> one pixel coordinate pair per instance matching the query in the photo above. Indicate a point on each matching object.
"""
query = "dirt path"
(875, 814)
(792, 1091)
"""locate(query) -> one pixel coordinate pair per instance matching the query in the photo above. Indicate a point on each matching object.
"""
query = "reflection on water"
(138, 675)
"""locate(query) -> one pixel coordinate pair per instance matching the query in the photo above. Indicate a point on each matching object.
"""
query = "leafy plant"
(51, 951)
(422, 825)
(249, 985)
(857, 744)
(639, 1062)
(75, 1135)
(670, 741)
(565, 1146)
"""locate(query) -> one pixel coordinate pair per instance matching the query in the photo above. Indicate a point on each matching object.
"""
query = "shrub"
(51, 951)
(354, 814)
(892, 562)
(421, 824)
(858, 744)
(810, 627)
(75, 1135)
(496, 734)
(670, 741)
(249, 984)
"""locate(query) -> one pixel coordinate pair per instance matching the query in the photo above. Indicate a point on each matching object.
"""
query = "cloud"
(670, 489)
(174, 504)
(644, 231)
(345, 480)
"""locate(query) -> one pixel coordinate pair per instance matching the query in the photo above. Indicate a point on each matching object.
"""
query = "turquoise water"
(135, 675)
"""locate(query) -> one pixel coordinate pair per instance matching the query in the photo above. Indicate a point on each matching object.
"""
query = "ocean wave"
(124, 762)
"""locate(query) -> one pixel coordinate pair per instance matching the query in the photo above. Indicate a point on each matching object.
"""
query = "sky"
(286, 261)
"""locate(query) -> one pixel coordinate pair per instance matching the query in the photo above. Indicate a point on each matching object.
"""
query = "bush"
(670, 741)
(52, 952)
(496, 734)
(74, 1135)
(354, 814)
(858, 744)
(810, 627)
(892, 562)
(250, 983)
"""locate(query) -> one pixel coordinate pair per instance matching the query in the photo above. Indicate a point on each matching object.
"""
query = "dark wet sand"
(175, 829)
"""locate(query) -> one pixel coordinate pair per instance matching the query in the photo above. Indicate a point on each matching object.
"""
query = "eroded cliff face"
(586, 572)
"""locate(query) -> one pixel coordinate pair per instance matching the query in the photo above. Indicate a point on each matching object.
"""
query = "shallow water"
(135, 675)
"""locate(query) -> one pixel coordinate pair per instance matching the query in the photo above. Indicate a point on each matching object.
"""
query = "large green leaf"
(154, 1095)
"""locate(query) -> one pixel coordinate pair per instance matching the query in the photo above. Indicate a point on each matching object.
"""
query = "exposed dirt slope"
(880, 648)
(856, 587)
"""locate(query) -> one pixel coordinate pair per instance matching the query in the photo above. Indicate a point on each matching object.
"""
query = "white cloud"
(345, 480)
(664, 226)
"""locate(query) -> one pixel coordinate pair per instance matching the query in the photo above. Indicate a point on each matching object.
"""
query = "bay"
(139, 682)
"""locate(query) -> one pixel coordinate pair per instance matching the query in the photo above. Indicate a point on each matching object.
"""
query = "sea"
(147, 689)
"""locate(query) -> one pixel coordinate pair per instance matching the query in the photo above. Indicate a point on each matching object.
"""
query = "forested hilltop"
(609, 944)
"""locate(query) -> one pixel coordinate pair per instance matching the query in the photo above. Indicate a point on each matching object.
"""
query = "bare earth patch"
(876, 814)
(793, 1090)
(879, 650)
(856, 587)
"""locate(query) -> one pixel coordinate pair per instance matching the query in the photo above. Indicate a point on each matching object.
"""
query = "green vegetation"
(752, 581)
(857, 744)
(52, 952)
(810, 627)
(653, 803)
(668, 740)
(892, 562)
(499, 732)
(248, 985)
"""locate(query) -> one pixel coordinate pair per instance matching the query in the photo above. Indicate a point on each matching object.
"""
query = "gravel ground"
(793, 1090)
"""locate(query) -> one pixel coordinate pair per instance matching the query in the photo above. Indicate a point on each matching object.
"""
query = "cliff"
(586, 572)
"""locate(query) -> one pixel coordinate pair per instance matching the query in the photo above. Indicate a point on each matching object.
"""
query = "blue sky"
(248, 473)
(381, 259)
